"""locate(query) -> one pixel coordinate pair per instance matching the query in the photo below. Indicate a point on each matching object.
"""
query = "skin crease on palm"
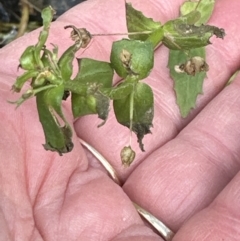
(188, 177)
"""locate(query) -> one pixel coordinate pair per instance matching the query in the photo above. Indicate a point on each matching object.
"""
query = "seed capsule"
(127, 156)
(193, 66)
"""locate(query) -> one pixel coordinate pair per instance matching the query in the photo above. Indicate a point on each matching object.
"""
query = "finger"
(187, 173)
(223, 58)
(219, 221)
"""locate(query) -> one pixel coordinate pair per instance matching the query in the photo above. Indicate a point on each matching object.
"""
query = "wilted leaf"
(94, 75)
(189, 31)
(140, 61)
(139, 105)
(57, 132)
(187, 87)
(179, 35)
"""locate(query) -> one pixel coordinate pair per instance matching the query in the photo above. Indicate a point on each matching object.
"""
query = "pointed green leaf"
(140, 62)
(137, 22)
(65, 63)
(139, 105)
(205, 7)
(93, 75)
(47, 16)
(187, 87)
(57, 132)
(22, 79)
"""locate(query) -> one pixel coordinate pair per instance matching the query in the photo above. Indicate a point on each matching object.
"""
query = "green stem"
(131, 33)
(198, 4)
(75, 87)
(131, 109)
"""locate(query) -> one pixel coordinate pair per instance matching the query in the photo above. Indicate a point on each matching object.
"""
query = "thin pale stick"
(130, 33)
(164, 231)
(103, 161)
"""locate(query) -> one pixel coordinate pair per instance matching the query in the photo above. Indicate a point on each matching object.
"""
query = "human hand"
(193, 178)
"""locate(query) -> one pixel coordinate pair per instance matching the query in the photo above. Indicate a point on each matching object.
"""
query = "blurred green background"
(18, 17)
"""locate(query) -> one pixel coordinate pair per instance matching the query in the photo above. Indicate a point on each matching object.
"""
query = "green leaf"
(95, 103)
(136, 111)
(139, 61)
(205, 7)
(27, 59)
(47, 16)
(21, 80)
(65, 63)
(120, 91)
(53, 98)
(179, 35)
(188, 31)
(93, 75)
(137, 22)
(187, 87)
(92, 71)
(57, 131)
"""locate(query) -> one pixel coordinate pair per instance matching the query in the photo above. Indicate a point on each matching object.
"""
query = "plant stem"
(131, 108)
(131, 33)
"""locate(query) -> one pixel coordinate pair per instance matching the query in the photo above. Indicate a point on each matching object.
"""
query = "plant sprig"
(91, 90)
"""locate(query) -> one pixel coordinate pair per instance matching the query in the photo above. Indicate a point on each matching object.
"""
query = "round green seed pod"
(132, 58)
